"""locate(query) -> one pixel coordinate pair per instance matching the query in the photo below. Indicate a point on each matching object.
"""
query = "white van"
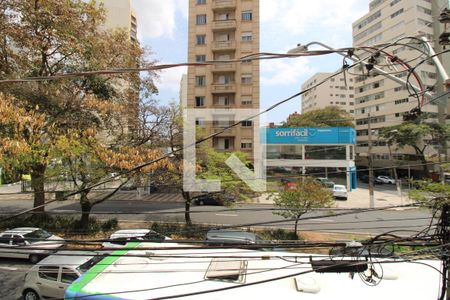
(51, 276)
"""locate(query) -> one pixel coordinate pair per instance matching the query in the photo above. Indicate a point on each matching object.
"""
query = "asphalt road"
(331, 220)
(12, 272)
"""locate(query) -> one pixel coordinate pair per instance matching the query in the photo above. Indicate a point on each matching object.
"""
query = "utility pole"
(440, 12)
(445, 238)
(369, 160)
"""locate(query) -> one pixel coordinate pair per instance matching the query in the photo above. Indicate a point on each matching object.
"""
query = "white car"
(28, 242)
(340, 191)
(386, 179)
(121, 238)
(49, 278)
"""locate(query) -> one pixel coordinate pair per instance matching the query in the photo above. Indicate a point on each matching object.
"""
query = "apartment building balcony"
(224, 67)
(223, 45)
(223, 25)
(223, 143)
(227, 133)
(223, 88)
(218, 5)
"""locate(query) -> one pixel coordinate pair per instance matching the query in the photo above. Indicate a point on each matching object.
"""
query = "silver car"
(340, 191)
(28, 242)
(121, 238)
(51, 276)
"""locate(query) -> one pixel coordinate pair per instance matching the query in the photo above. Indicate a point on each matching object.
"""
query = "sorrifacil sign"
(293, 132)
(308, 135)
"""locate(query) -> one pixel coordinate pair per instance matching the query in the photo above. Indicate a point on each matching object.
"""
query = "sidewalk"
(359, 198)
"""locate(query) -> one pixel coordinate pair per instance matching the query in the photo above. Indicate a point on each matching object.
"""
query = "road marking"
(8, 269)
(226, 215)
(318, 221)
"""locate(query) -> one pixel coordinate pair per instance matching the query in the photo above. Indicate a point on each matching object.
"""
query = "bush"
(278, 234)
(61, 224)
(168, 229)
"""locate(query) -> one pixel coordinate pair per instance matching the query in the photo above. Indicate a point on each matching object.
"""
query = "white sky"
(162, 25)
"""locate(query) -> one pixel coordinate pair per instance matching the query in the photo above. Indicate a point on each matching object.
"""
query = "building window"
(246, 144)
(247, 123)
(200, 2)
(247, 15)
(351, 103)
(200, 80)
(247, 36)
(201, 19)
(398, 12)
(201, 39)
(200, 122)
(395, 2)
(199, 101)
(246, 79)
(200, 58)
(351, 96)
(424, 10)
(246, 100)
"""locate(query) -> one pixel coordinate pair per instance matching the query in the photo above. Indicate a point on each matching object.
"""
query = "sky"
(162, 26)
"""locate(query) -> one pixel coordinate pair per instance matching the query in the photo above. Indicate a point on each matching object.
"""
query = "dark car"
(214, 199)
(365, 179)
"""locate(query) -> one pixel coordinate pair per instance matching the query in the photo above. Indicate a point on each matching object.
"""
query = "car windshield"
(339, 188)
(90, 263)
(37, 235)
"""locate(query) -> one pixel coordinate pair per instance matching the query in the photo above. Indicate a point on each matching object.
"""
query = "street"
(12, 272)
(248, 215)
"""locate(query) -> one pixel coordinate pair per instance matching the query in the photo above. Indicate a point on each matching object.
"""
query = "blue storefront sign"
(308, 135)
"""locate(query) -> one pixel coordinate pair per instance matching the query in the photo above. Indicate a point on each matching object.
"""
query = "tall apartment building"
(224, 30)
(119, 14)
(337, 91)
(384, 99)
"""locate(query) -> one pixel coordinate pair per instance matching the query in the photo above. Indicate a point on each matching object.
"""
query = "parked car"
(29, 242)
(49, 278)
(365, 179)
(121, 238)
(219, 237)
(214, 199)
(326, 182)
(386, 179)
(340, 191)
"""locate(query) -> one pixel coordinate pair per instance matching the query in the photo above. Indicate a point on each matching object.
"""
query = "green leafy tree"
(431, 194)
(210, 164)
(307, 195)
(47, 38)
(413, 133)
(330, 116)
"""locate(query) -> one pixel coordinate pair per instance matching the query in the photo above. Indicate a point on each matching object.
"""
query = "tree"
(330, 116)
(307, 195)
(413, 133)
(86, 162)
(431, 194)
(47, 38)
(210, 164)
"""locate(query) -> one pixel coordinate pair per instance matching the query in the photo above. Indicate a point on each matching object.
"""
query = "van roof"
(66, 258)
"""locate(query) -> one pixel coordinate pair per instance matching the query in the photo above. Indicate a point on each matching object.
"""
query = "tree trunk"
(37, 183)
(86, 208)
(187, 208)
(295, 226)
(423, 160)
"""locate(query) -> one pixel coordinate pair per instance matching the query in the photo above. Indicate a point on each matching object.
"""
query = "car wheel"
(34, 258)
(30, 295)
(200, 202)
